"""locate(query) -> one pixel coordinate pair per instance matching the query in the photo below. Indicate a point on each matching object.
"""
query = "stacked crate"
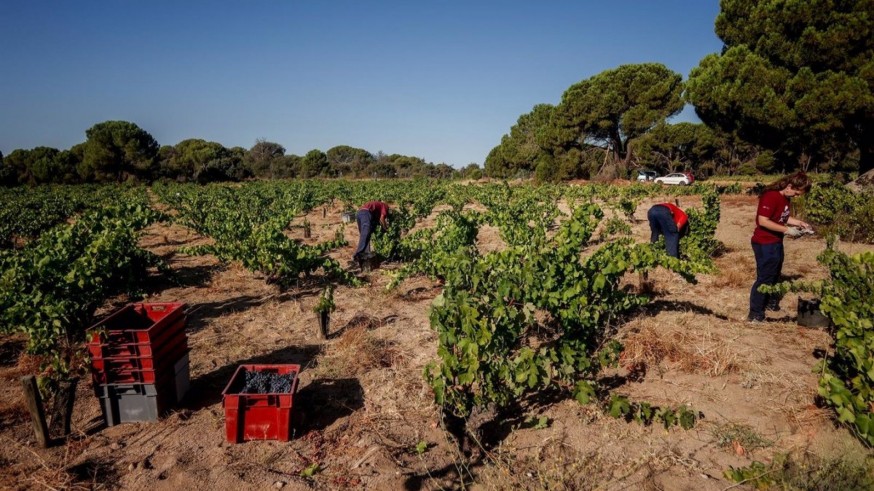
(139, 361)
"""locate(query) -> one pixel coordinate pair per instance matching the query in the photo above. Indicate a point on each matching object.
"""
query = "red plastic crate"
(135, 375)
(258, 416)
(137, 323)
(166, 342)
(123, 363)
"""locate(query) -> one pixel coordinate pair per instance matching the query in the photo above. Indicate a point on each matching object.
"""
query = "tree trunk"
(805, 160)
(866, 150)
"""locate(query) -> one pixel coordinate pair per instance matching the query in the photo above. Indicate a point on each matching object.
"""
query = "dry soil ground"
(363, 406)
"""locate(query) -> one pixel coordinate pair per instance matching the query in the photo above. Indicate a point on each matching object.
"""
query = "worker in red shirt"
(370, 212)
(773, 221)
(668, 220)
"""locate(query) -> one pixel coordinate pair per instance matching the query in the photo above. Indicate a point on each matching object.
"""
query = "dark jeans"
(365, 230)
(661, 222)
(769, 264)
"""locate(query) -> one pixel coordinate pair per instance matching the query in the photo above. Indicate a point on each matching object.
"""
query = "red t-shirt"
(775, 206)
(376, 208)
(680, 217)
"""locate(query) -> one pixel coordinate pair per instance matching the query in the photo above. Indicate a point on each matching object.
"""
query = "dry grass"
(732, 278)
(739, 438)
(555, 465)
(357, 351)
(650, 348)
(736, 271)
(806, 416)
(804, 268)
(62, 472)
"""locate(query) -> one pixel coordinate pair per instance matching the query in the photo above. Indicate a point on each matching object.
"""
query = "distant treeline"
(119, 151)
(792, 88)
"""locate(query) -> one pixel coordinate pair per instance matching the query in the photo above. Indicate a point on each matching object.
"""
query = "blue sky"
(441, 80)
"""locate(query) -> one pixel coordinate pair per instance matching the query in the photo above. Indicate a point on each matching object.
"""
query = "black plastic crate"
(125, 403)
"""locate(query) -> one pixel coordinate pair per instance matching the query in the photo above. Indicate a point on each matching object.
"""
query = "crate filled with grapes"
(258, 402)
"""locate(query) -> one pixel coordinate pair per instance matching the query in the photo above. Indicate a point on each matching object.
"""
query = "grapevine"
(847, 377)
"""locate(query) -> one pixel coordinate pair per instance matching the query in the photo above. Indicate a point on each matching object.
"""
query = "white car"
(676, 178)
(646, 175)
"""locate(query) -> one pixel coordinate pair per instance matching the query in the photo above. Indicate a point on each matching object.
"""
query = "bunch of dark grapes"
(267, 383)
(281, 384)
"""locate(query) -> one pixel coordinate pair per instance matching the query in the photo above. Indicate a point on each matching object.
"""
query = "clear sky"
(441, 80)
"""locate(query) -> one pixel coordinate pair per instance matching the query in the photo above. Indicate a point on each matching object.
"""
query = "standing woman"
(773, 222)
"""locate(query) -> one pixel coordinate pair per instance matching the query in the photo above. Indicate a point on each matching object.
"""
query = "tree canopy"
(519, 150)
(621, 104)
(203, 161)
(348, 161)
(264, 157)
(117, 150)
(796, 76)
(602, 112)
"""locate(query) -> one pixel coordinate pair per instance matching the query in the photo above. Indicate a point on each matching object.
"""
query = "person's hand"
(794, 232)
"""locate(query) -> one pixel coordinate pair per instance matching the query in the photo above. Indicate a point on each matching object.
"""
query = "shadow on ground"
(10, 350)
(199, 314)
(324, 401)
(657, 306)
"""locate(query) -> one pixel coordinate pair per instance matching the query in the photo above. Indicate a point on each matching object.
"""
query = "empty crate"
(139, 361)
(125, 403)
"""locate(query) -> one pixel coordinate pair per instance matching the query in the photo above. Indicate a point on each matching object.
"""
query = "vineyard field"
(365, 413)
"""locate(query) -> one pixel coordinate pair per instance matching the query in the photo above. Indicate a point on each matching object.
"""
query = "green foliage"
(794, 76)
(621, 104)
(806, 472)
(734, 433)
(421, 447)
(532, 316)
(348, 161)
(27, 212)
(837, 210)
(41, 165)
(756, 474)
(668, 147)
(523, 146)
(434, 252)
(540, 423)
(700, 244)
(387, 242)
(415, 205)
(202, 161)
(51, 288)
(847, 380)
(311, 470)
(248, 224)
(314, 163)
(116, 151)
(616, 226)
(265, 159)
(326, 301)
(646, 414)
